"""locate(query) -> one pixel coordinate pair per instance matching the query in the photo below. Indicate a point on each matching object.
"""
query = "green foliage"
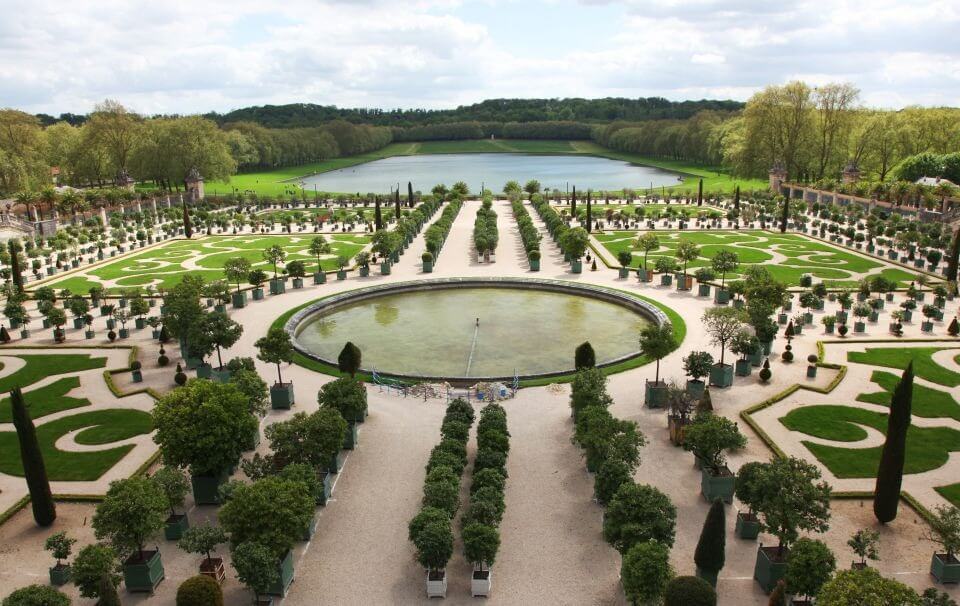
(480, 543)
(657, 341)
(748, 488)
(945, 528)
(59, 545)
(272, 512)
(132, 512)
(710, 436)
(711, 547)
(589, 388)
(645, 571)
(200, 590)
(810, 565)
(203, 426)
(584, 356)
(350, 359)
(91, 564)
(689, 591)
(34, 469)
(312, 439)
(893, 456)
(791, 499)
(174, 484)
(864, 544)
(611, 475)
(434, 544)
(202, 539)
(639, 513)
(36, 595)
(249, 383)
(697, 364)
(275, 348)
(256, 566)
(865, 587)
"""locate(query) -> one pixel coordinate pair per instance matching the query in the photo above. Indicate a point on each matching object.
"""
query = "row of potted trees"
(485, 233)
(436, 235)
(529, 234)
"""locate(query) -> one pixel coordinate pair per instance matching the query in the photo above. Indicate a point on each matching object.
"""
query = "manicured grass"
(898, 357)
(39, 366)
(165, 266)
(283, 181)
(836, 267)
(46, 400)
(927, 402)
(679, 330)
(928, 448)
(950, 493)
(98, 427)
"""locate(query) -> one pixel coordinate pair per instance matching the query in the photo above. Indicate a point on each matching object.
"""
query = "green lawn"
(283, 180)
(46, 400)
(898, 357)
(98, 427)
(836, 267)
(927, 402)
(950, 493)
(39, 366)
(165, 266)
(650, 211)
(927, 447)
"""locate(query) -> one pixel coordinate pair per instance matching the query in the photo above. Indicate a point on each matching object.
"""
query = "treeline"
(492, 110)
(454, 131)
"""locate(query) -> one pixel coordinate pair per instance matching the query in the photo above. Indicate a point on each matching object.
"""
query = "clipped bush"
(199, 590)
(36, 595)
(689, 591)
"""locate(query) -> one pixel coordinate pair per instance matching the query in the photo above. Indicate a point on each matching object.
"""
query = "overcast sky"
(183, 56)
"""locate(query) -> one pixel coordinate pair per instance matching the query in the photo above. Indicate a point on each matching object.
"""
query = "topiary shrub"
(765, 371)
(584, 356)
(200, 590)
(36, 595)
(136, 365)
(812, 358)
(162, 359)
(689, 591)
(180, 378)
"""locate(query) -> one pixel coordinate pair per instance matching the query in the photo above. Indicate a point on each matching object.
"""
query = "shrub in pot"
(697, 365)
(256, 568)
(811, 564)
(94, 564)
(60, 547)
(657, 341)
(645, 571)
(709, 437)
(203, 540)
(36, 595)
(864, 545)
(689, 591)
(480, 545)
(945, 532)
(639, 513)
(174, 484)
(200, 590)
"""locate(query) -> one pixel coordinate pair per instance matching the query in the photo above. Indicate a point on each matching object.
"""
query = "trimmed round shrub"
(200, 590)
(36, 595)
(689, 591)
(460, 409)
(136, 365)
(441, 494)
(487, 477)
(812, 358)
(427, 516)
(444, 458)
(493, 439)
(490, 459)
(455, 430)
(613, 473)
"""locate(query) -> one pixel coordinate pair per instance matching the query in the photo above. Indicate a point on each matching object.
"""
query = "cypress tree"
(589, 213)
(584, 357)
(34, 470)
(573, 202)
(15, 271)
(409, 194)
(786, 212)
(736, 198)
(187, 226)
(349, 359)
(952, 260)
(710, 554)
(377, 216)
(396, 202)
(108, 592)
(890, 471)
(700, 193)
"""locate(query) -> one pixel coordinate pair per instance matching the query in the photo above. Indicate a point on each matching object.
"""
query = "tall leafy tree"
(396, 203)
(589, 213)
(890, 472)
(34, 469)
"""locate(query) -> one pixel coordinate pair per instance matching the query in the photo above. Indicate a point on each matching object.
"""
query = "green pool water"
(436, 333)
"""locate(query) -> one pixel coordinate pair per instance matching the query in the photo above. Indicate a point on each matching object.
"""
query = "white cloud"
(183, 56)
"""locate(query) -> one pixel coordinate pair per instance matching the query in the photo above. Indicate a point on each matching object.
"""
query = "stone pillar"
(103, 216)
(153, 205)
(851, 174)
(778, 175)
(194, 185)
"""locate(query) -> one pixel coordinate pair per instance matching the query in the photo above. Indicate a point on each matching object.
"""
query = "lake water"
(491, 170)
(474, 332)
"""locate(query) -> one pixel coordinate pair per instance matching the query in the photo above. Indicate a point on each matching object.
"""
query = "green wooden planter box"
(945, 571)
(281, 396)
(666, 280)
(298, 283)
(319, 278)
(841, 317)
(144, 576)
(257, 294)
(175, 526)
(221, 375)
(353, 436)
(277, 286)
(721, 376)
(385, 269)
(576, 266)
(534, 264)
(766, 571)
(286, 576)
(310, 530)
(204, 371)
(341, 274)
(859, 327)
(239, 299)
(336, 463)
(811, 371)
(364, 271)
(77, 323)
(60, 575)
(713, 487)
(926, 326)
(747, 526)
(427, 267)
(743, 368)
(206, 489)
(623, 272)
(703, 290)
(655, 394)
(696, 388)
(756, 360)
(782, 318)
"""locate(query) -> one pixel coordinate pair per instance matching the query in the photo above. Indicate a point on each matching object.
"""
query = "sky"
(188, 56)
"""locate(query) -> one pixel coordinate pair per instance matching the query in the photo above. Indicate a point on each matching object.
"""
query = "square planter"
(428, 266)
(204, 371)
(695, 388)
(281, 396)
(124, 333)
(206, 489)
(841, 317)
(239, 299)
(319, 278)
(143, 575)
(436, 584)
(623, 272)
(684, 282)
(326, 479)
(137, 376)
(534, 265)
(703, 290)
(768, 569)
(140, 323)
(214, 569)
(175, 526)
(714, 486)
(310, 530)
(352, 438)
(666, 280)
(655, 394)
(220, 307)
(258, 294)
(944, 568)
(298, 282)
(480, 582)
(341, 274)
(286, 576)
(743, 368)
(782, 318)
(859, 327)
(576, 266)
(384, 269)
(926, 326)
(721, 375)
(756, 360)
(364, 271)
(811, 371)
(747, 527)
(220, 375)
(60, 575)
(277, 286)
(336, 463)
(89, 334)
